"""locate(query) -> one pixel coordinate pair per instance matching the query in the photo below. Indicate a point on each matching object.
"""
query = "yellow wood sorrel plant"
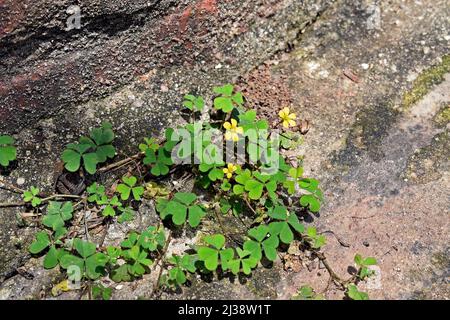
(273, 201)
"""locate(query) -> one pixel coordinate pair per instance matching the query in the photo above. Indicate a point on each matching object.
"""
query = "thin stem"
(55, 196)
(14, 204)
(120, 163)
(11, 187)
(161, 259)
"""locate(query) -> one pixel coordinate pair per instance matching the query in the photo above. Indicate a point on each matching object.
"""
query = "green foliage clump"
(228, 99)
(90, 151)
(270, 196)
(181, 207)
(32, 196)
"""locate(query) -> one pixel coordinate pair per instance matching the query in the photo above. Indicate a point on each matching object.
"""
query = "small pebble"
(365, 66)
(20, 181)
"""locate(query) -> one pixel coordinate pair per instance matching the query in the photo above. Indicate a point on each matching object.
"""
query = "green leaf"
(69, 260)
(369, 261)
(358, 259)
(6, 140)
(95, 265)
(226, 90)
(109, 211)
(354, 294)
(279, 213)
(178, 212)
(310, 201)
(130, 241)
(223, 103)
(124, 191)
(161, 166)
(255, 189)
(57, 214)
(105, 152)
(90, 161)
(51, 259)
(84, 248)
(259, 233)
(185, 198)
(121, 273)
(225, 256)
(7, 153)
(130, 181)
(294, 223)
(217, 241)
(128, 214)
(137, 193)
(102, 135)
(72, 160)
(209, 256)
(196, 213)
(254, 248)
(286, 234)
(42, 241)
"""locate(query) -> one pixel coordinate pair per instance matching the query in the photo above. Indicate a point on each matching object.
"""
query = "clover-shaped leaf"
(128, 214)
(284, 224)
(317, 240)
(160, 161)
(8, 151)
(311, 202)
(32, 196)
(363, 264)
(110, 206)
(57, 214)
(90, 264)
(180, 207)
(121, 273)
(103, 138)
(150, 143)
(74, 153)
(256, 186)
(227, 100)
(96, 192)
(354, 294)
(42, 242)
(182, 265)
(246, 262)
(210, 255)
(215, 171)
(139, 260)
(262, 241)
(241, 178)
(129, 187)
(192, 102)
(313, 199)
(152, 238)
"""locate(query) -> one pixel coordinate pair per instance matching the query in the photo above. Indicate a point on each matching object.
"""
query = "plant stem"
(55, 196)
(16, 204)
(161, 259)
(120, 163)
(11, 187)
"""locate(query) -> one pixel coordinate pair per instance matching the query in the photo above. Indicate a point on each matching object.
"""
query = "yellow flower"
(229, 170)
(233, 131)
(288, 118)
